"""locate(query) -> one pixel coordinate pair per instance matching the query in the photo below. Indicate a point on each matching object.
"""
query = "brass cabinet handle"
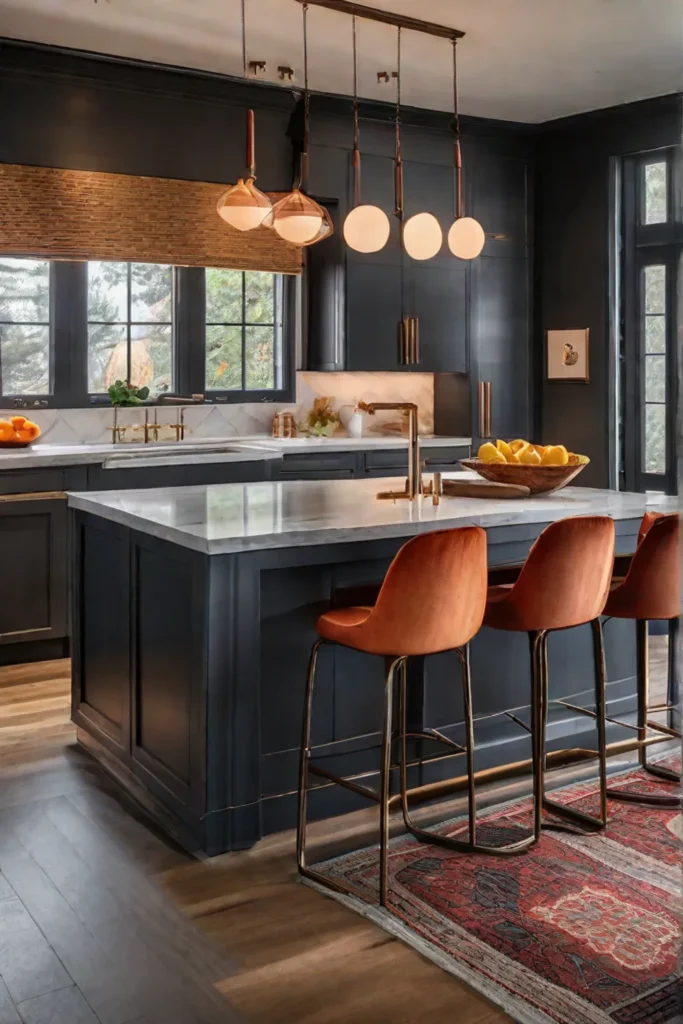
(404, 336)
(484, 394)
(418, 353)
(411, 342)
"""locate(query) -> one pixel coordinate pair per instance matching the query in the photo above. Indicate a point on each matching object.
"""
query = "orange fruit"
(528, 456)
(18, 422)
(6, 430)
(23, 434)
(489, 453)
(555, 455)
(33, 428)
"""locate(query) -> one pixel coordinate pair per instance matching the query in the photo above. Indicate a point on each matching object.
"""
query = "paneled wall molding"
(62, 214)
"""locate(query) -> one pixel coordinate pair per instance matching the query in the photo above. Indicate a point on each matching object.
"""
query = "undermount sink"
(131, 455)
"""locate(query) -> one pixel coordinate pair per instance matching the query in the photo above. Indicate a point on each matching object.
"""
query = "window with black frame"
(25, 336)
(243, 331)
(69, 331)
(650, 268)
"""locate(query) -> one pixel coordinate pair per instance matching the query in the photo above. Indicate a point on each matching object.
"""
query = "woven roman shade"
(88, 215)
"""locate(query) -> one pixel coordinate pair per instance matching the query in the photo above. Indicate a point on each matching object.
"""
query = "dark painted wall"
(573, 205)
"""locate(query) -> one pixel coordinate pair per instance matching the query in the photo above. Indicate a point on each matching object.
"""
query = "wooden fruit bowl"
(539, 479)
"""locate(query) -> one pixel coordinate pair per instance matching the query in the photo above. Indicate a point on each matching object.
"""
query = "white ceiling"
(525, 60)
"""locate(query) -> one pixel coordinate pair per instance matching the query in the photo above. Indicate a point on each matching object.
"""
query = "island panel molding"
(62, 214)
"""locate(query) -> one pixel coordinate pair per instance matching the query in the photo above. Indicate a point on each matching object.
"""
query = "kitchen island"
(193, 616)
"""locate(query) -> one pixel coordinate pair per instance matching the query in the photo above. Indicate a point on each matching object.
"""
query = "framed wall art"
(567, 356)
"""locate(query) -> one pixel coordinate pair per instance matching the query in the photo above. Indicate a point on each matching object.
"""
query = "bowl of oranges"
(541, 468)
(19, 432)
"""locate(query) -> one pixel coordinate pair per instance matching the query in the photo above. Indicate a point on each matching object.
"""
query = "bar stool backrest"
(433, 596)
(566, 577)
(651, 588)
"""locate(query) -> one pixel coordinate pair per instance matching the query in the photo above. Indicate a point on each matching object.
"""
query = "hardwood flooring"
(103, 919)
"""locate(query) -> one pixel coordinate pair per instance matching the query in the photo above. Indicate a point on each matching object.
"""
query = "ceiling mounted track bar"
(430, 28)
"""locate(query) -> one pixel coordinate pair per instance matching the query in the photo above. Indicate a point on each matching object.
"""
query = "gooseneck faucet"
(413, 487)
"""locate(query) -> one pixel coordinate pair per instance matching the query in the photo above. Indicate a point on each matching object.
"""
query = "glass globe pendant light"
(243, 206)
(466, 236)
(366, 228)
(422, 234)
(296, 217)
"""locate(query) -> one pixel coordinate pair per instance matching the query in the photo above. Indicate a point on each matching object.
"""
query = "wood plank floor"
(103, 919)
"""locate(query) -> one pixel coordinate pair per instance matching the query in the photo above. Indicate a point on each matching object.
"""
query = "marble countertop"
(228, 518)
(234, 449)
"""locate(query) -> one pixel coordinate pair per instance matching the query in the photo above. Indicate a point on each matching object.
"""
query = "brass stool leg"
(587, 821)
(539, 711)
(382, 798)
(643, 691)
(385, 778)
(425, 836)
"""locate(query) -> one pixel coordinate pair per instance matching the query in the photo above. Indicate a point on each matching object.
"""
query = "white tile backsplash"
(93, 426)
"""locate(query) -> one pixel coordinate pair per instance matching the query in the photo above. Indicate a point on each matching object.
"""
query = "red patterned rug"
(579, 930)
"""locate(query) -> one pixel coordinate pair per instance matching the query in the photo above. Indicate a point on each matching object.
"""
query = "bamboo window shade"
(61, 214)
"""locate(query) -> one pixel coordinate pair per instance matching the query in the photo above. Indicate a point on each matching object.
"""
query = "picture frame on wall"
(567, 356)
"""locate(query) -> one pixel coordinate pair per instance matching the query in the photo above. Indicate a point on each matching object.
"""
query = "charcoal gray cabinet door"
(439, 301)
(373, 312)
(500, 343)
(33, 555)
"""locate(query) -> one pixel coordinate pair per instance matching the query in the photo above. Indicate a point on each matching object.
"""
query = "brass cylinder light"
(296, 217)
(466, 236)
(367, 227)
(244, 206)
(422, 235)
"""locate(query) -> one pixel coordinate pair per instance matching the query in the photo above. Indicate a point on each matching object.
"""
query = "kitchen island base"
(189, 670)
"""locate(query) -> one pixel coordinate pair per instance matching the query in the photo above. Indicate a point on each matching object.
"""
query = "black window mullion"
(129, 277)
(69, 308)
(244, 331)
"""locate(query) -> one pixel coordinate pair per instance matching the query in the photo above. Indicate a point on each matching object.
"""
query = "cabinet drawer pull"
(418, 353)
(484, 389)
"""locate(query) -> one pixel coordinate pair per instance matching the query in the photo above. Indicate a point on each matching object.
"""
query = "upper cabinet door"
(497, 193)
(439, 301)
(500, 329)
(373, 312)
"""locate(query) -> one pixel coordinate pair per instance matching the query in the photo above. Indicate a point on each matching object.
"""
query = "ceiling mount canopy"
(430, 28)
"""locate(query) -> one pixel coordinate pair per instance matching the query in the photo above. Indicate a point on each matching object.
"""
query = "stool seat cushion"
(432, 599)
(651, 587)
(338, 625)
(564, 581)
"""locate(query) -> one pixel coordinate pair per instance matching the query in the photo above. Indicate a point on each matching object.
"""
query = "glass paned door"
(656, 362)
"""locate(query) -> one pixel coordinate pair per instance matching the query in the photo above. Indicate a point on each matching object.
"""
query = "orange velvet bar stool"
(432, 600)
(563, 583)
(651, 590)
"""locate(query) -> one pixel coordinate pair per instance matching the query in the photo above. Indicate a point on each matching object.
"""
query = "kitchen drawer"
(100, 479)
(446, 458)
(396, 459)
(51, 479)
(305, 466)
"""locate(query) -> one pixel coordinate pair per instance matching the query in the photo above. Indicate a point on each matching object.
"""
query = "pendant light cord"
(398, 169)
(303, 170)
(356, 149)
(244, 38)
(457, 152)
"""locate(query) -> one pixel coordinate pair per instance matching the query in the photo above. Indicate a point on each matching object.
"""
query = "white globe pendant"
(422, 236)
(366, 229)
(466, 238)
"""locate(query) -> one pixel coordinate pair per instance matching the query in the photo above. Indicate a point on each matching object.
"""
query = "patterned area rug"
(579, 930)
